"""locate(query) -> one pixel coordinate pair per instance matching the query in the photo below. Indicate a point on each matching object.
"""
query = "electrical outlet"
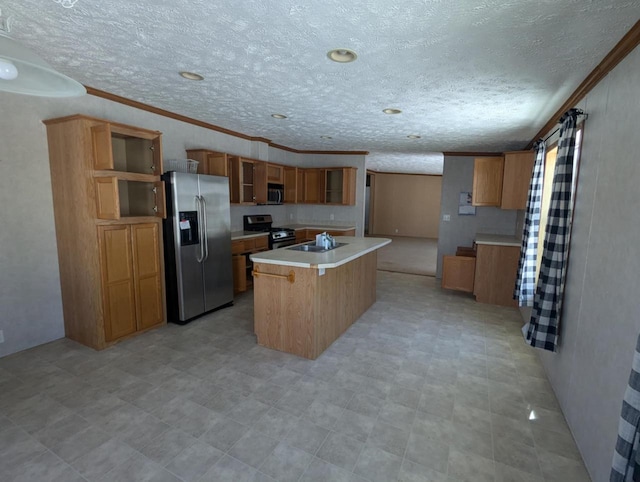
(446, 217)
(396, 230)
(1, 336)
(290, 216)
(331, 217)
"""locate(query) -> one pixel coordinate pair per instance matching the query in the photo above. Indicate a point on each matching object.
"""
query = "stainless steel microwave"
(275, 193)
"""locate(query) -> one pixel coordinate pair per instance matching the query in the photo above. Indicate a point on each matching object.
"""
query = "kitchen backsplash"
(293, 213)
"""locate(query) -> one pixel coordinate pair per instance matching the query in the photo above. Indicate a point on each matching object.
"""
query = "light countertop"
(324, 227)
(354, 248)
(236, 235)
(497, 239)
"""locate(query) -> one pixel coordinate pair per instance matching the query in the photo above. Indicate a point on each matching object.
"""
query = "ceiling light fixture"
(326, 137)
(23, 72)
(413, 136)
(278, 116)
(191, 75)
(391, 111)
(342, 56)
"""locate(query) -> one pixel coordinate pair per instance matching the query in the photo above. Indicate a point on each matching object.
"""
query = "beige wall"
(406, 205)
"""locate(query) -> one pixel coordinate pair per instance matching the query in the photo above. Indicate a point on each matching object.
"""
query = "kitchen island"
(303, 301)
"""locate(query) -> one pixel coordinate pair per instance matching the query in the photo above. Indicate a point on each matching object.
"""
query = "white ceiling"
(469, 75)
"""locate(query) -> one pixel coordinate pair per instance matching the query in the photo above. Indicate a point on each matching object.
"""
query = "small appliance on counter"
(325, 240)
(263, 223)
(197, 245)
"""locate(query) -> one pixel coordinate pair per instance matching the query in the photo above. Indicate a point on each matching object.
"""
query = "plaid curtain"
(542, 331)
(626, 464)
(526, 279)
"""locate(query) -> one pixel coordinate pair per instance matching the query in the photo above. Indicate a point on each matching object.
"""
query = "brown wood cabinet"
(503, 181)
(275, 173)
(495, 275)
(458, 273)
(487, 181)
(290, 184)
(131, 278)
(210, 162)
(340, 186)
(242, 266)
(314, 186)
(300, 186)
(108, 200)
(247, 181)
(518, 167)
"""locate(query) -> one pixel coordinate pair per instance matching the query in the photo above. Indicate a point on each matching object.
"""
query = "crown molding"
(189, 120)
(471, 154)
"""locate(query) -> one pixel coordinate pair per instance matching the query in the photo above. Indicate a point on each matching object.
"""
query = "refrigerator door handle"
(205, 248)
(200, 256)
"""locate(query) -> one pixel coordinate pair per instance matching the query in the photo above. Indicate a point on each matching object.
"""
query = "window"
(549, 169)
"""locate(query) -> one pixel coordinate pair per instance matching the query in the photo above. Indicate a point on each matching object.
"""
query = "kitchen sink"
(312, 248)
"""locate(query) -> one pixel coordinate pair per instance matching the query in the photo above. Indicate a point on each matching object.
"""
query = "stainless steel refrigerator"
(197, 236)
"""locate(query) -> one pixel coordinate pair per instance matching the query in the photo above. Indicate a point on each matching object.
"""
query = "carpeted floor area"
(409, 255)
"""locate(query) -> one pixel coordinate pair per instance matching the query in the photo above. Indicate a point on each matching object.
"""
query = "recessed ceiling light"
(191, 75)
(278, 116)
(391, 111)
(413, 136)
(342, 56)
(326, 137)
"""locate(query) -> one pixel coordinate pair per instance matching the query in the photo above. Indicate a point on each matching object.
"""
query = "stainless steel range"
(278, 237)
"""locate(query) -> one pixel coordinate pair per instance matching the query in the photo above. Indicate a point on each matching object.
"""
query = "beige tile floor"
(426, 386)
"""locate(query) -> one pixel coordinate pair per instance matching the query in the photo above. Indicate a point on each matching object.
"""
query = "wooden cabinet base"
(305, 317)
(458, 273)
(495, 277)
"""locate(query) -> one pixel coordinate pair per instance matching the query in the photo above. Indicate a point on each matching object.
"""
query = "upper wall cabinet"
(487, 181)
(275, 174)
(314, 186)
(247, 180)
(210, 162)
(502, 181)
(340, 186)
(126, 149)
(518, 167)
(290, 184)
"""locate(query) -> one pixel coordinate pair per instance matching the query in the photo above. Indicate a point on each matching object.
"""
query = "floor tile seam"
(64, 462)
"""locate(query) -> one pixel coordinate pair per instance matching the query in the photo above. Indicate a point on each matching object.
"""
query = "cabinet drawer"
(237, 247)
(248, 245)
(262, 242)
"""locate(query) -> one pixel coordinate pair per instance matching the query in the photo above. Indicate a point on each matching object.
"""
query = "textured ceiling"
(468, 75)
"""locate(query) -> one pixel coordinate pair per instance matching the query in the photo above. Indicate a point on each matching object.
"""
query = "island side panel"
(343, 295)
(284, 311)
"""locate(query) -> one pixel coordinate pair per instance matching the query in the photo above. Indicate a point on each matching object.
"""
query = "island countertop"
(354, 248)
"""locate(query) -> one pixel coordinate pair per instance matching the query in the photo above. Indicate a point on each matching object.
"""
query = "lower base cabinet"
(239, 273)
(495, 276)
(132, 288)
(458, 273)
(242, 266)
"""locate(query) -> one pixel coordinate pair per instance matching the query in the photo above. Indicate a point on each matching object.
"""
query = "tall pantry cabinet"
(108, 204)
